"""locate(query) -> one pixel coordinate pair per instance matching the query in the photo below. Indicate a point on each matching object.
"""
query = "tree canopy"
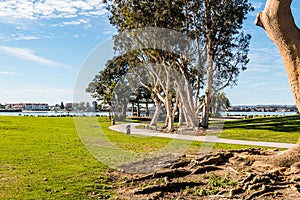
(213, 60)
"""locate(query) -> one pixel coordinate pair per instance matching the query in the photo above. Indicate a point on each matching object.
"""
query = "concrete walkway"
(214, 139)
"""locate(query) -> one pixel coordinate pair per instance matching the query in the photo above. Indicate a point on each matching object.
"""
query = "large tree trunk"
(132, 106)
(147, 109)
(190, 115)
(208, 91)
(180, 114)
(186, 102)
(157, 111)
(279, 24)
(170, 114)
(286, 158)
(209, 65)
(138, 114)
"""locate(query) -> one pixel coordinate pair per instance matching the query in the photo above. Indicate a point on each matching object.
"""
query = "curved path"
(214, 139)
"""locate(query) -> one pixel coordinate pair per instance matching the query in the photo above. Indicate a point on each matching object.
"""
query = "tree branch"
(258, 22)
(277, 20)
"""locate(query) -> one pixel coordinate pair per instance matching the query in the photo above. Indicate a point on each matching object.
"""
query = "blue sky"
(43, 44)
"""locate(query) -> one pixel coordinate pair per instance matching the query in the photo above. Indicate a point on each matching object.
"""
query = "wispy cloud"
(74, 22)
(28, 55)
(259, 85)
(7, 73)
(265, 59)
(24, 37)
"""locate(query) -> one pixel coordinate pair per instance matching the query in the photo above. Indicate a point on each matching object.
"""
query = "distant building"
(69, 106)
(72, 106)
(265, 108)
(27, 106)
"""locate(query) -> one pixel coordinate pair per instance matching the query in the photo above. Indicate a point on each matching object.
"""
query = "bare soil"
(234, 174)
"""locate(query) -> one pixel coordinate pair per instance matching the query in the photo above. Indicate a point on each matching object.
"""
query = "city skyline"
(43, 45)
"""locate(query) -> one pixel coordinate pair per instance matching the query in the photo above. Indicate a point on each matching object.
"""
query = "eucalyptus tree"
(219, 48)
(227, 46)
(103, 84)
(132, 15)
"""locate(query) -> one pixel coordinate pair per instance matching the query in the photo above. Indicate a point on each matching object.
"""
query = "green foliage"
(105, 81)
(229, 46)
(214, 185)
(126, 15)
(220, 182)
(200, 192)
(207, 21)
(159, 181)
(187, 190)
(215, 27)
(219, 102)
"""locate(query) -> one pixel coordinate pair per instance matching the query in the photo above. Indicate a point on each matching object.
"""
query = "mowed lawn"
(44, 157)
(284, 129)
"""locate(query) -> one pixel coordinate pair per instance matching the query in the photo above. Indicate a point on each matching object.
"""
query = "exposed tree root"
(206, 169)
(224, 174)
(170, 174)
(180, 163)
(265, 190)
(169, 187)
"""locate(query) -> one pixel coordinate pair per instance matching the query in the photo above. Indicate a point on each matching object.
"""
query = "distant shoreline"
(13, 110)
(225, 114)
(257, 113)
(53, 113)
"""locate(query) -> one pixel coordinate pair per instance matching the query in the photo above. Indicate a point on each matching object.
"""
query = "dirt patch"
(233, 174)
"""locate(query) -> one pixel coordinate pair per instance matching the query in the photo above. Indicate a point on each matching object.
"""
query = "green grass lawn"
(44, 158)
(271, 129)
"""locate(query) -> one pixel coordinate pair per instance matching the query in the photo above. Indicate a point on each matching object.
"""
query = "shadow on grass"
(279, 124)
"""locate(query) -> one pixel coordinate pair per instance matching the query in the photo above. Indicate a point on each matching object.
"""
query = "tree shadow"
(279, 124)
